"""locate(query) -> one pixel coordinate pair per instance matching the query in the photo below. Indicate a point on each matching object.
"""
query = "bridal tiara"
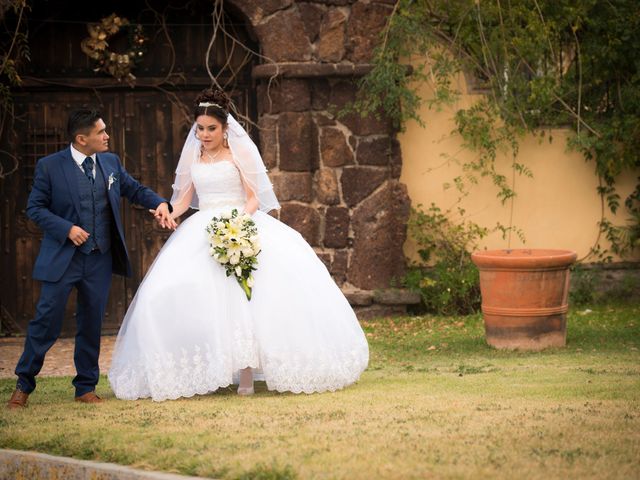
(209, 104)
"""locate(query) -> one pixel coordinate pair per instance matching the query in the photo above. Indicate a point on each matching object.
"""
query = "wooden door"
(147, 124)
(41, 124)
(147, 131)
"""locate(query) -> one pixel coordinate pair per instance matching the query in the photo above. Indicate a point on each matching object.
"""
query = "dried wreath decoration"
(119, 65)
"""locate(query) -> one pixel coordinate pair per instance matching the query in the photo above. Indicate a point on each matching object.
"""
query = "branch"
(165, 31)
(388, 26)
(577, 116)
(13, 40)
(16, 164)
(579, 63)
(595, 244)
(568, 107)
(217, 18)
(485, 45)
(545, 27)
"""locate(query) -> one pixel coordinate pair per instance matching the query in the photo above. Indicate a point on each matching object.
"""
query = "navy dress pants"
(91, 276)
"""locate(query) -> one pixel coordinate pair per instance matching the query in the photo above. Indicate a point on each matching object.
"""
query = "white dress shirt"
(79, 157)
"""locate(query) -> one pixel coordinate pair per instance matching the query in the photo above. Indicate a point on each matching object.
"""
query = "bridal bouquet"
(234, 243)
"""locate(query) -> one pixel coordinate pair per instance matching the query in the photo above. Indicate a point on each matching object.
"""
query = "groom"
(75, 200)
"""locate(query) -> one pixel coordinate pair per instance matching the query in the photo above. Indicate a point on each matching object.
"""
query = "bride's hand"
(163, 217)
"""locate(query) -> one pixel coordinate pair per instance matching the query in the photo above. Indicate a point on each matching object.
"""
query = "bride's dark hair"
(216, 104)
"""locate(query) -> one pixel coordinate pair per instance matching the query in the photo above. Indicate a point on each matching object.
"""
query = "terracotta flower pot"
(524, 297)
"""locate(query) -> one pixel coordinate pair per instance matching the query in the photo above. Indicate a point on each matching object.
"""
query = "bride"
(191, 330)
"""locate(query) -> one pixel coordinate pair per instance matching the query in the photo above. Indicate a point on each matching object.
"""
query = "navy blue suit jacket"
(54, 205)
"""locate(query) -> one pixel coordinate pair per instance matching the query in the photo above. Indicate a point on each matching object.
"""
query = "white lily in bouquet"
(234, 243)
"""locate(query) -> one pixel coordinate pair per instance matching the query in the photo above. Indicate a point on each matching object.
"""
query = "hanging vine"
(15, 52)
(543, 64)
(221, 33)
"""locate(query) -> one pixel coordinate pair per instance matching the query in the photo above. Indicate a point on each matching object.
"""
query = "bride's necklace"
(213, 157)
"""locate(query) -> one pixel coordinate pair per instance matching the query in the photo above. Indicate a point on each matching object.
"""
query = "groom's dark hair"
(81, 120)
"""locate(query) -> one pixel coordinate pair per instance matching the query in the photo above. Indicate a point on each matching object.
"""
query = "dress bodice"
(217, 184)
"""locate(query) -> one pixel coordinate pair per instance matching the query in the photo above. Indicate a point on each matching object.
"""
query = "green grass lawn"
(436, 401)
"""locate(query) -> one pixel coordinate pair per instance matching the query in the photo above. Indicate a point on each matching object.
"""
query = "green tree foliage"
(542, 63)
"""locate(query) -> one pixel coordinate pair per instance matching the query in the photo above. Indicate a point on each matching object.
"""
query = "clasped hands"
(163, 216)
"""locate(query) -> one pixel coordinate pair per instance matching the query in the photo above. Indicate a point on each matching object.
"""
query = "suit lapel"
(107, 170)
(69, 168)
(103, 169)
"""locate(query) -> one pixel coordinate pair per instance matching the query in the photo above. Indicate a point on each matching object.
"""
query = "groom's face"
(94, 140)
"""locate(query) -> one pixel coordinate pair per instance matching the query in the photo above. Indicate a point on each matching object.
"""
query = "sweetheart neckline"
(214, 163)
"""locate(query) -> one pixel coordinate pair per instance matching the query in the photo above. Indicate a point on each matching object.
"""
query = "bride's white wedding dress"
(190, 328)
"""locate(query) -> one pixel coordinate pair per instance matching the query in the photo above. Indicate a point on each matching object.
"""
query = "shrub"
(582, 286)
(446, 279)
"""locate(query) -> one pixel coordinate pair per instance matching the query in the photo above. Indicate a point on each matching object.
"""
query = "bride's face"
(210, 132)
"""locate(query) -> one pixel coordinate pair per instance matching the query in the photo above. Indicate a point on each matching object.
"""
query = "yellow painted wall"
(557, 208)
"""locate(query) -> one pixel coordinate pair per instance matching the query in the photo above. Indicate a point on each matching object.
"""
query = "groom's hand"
(77, 235)
(163, 216)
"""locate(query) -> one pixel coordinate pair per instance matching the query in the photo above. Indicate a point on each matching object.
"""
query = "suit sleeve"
(137, 193)
(38, 206)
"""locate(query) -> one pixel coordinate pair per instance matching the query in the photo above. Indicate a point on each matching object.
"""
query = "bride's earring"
(245, 386)
(225, 141)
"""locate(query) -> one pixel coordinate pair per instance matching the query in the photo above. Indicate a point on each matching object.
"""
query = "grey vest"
(95, 212)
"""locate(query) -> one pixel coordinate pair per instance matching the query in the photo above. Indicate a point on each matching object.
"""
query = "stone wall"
(335, 176)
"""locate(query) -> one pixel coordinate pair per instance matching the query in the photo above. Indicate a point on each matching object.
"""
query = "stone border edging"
(15, 464)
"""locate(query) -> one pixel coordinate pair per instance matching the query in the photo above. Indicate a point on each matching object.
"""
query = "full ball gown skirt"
(190, 328)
